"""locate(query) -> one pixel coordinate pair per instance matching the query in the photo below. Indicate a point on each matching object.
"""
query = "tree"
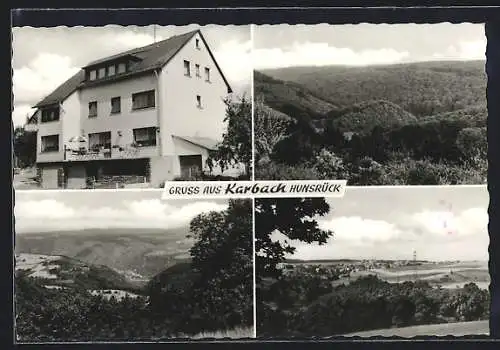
(270, 128)
(330, 166)
(24, 143)
(301, 144)
(223, 257)
(236, 145)
(472, 143)
(292, 217)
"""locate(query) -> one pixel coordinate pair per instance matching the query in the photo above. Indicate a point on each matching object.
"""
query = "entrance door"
(190, 165)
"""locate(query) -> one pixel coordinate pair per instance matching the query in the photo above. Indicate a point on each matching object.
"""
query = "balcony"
(106, 152)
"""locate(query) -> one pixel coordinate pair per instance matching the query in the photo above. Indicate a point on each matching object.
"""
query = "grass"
(236, 333)
(444, 329)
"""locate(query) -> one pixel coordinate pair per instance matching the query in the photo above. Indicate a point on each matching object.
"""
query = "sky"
(278, 46)
(45, 211)
(441, 223)
(43, 58)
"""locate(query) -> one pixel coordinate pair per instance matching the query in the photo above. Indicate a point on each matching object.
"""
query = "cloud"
(436, 223)
(132, 40)
(322, 54)
(435, 235)
(44, 73)
(235, 59)
(49, 214)
(21, 112)
(464, 50)
(38, 79)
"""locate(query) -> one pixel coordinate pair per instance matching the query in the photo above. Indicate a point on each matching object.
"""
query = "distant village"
(333, 270)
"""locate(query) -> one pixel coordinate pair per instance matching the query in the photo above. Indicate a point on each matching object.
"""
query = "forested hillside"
(420, 88)
(412, 124)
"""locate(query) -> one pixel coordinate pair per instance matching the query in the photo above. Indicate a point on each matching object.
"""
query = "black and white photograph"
(373, 104)
(130, 107)
(409, 261)
(95, 266)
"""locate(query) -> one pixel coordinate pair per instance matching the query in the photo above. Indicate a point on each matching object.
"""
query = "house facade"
(154, 112)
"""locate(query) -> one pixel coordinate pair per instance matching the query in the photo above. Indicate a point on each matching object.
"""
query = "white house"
(154, 111)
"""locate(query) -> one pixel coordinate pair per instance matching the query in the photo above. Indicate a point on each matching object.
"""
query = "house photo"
(142, 116)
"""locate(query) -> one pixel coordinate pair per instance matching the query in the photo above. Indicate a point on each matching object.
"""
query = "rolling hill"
(471, 117)
(363, 117)
(64, 272)
(422, 89)
(355, 100)
(139, 255)
(291, 98)
(176, 277)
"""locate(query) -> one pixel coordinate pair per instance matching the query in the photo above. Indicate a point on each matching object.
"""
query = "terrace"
(100, 148)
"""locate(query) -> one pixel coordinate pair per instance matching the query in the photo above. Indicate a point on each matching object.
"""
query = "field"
(337, 297)
(446, 275)
(456, 329)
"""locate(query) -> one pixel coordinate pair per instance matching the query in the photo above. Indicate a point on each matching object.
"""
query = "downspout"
(158, 112)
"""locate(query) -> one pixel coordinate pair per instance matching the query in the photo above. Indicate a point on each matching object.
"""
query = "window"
(207, 74)
(144, 99)
(50, 114)
(115, 105)
(198, 44)
(100, 140)
(111, 70)
(198, 101)
(93, 75)
(187, 68)
(102, 73)
(144, 137)
(197, 69)
(93, 109)
(50, 143)
(122, 68)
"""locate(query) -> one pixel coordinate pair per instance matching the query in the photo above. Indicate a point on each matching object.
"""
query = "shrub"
(277, 171)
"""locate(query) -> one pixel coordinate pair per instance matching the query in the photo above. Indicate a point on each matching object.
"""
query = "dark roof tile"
(151, 57)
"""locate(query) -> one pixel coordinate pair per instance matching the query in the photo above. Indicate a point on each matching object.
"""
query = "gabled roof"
(204, 142)
(149, 58)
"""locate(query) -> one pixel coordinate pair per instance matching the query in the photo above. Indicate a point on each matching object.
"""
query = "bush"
(277, 171)
(366, 172)
(208, 177)
(366, 303)
(330, 166)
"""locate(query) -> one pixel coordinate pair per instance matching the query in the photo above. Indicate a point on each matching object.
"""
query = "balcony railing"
(108, 152)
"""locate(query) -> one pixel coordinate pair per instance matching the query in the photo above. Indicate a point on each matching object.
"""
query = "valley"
(402, 124)
(136, 255)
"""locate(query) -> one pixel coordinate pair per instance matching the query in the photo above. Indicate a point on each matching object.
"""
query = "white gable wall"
(180, 113)
(47, 129)
(70, 117)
